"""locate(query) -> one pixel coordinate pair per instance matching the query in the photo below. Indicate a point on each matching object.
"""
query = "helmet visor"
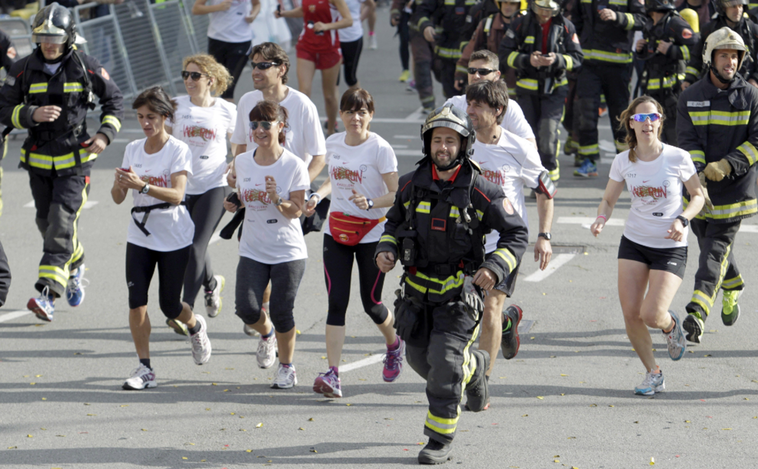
(48, 39)
(732, 3)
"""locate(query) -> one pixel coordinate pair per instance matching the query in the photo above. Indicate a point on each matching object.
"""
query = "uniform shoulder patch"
(687, 33)
(510, 34)
(11, 52)
(104, 73)
(575, 38)
(507, 206)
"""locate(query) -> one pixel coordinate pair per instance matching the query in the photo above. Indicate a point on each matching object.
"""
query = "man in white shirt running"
(485, 66)
(304, 136)
(512, 163)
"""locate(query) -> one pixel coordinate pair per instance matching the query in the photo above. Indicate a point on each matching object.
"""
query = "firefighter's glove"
(718, 170)
(708, 206)
(471, 297)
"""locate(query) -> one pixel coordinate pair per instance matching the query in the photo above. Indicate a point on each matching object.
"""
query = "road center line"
(555, 263)
(13, 315)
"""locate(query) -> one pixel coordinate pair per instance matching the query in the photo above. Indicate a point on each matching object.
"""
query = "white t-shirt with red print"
(303, 134)
(170, 228)
(512, 163)
(360, 168)
(268, 236)
(656, 191)
(204, 130)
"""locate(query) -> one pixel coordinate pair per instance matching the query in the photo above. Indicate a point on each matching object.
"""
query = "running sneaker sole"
(514, 328)
(178, 327)
(279, 386)
(149, 384)
(694, 331)
(677, 331)
(220, 301)
(40, 312)
(321, 387)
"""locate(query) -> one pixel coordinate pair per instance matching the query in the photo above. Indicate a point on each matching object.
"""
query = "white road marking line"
(605, 145)
(587, 221)
(215, 238)
(87, 205)
(416, 115)
(555, 263)
(361, 363)
(410, 137)
(13, 315)
(415, 153)
(749, 228)
(399, 146)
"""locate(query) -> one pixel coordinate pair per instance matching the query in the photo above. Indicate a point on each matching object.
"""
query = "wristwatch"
(684, 220)
(370, 204)
(547, 236)
(145, 189)
(279, 202)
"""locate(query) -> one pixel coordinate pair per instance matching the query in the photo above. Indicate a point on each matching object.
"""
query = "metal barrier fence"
(20, 33)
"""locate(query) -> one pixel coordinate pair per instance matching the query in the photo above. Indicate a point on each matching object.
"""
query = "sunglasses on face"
(263, 65)
(654, 116)
(263, 124)
(194, 75)
(481, 71)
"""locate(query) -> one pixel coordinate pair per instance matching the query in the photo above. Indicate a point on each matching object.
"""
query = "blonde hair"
(213, 69)
(626, 116)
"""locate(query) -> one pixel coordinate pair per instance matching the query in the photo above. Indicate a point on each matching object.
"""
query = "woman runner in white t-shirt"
(204, 122)
(653, 250)
(160, 233)
(271, 184)
(363, 181)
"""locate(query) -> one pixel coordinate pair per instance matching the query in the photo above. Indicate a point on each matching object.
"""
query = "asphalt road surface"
(566, 400)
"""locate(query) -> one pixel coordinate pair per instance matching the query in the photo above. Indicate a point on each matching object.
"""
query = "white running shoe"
(652, 384)
(213, 297)
(266, 353)
(372, 44)
(286, 377)
(142, 377)
(201, 345)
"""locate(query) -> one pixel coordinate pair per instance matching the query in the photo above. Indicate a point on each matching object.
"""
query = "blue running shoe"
(675, 339)
(586, 170)
(75, 287)
(652, 384)
(44, 306)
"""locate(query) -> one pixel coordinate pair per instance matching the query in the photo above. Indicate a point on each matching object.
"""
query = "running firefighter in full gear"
(606, 30)
(443, 22)
(718, 125)
(745, 27)
(665, 49)
(48, 93)
(422, 54)
(436, 228)
(542, 59)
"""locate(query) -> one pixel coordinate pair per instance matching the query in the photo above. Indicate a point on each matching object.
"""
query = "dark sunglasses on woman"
(194, 75)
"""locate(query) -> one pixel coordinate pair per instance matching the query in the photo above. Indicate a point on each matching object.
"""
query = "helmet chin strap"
(719, 77)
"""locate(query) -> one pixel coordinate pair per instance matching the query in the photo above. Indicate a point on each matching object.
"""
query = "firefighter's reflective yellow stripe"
(698, 156)
(15, 117)
(451, 283)
(79, 250)
(692, 71)
(655, 83)
(38, 88)
(732, 283)
(54, 273)
(421, 21)
(113, 121)
(749, 151)
(618, 2)
(686, 202)
(621, 146)
(685, 53)
(589, 149)
(702, 300)
(556, 173)
(740, 209)
(74, 87)
(720, 118)
(506, 255)
(529, 40)
(512, 59)
(66, 161)
(607, 56)
(528, 84)
(461, 69)
(441, 425)
(629, 20)
(479, 215)
(569, 62)
(448, 52)
(454, 212)
(488, 24)
(388, 239)
(424, 207)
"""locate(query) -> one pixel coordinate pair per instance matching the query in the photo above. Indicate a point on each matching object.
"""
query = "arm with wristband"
(610, 197)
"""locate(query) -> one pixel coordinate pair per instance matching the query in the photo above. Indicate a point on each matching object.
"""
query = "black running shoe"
(435, 453)
(511, 342)
(477, 391)
(694, 327)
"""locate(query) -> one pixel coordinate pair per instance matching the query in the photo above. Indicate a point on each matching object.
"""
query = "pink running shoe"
(328, 384)
(393, 362)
